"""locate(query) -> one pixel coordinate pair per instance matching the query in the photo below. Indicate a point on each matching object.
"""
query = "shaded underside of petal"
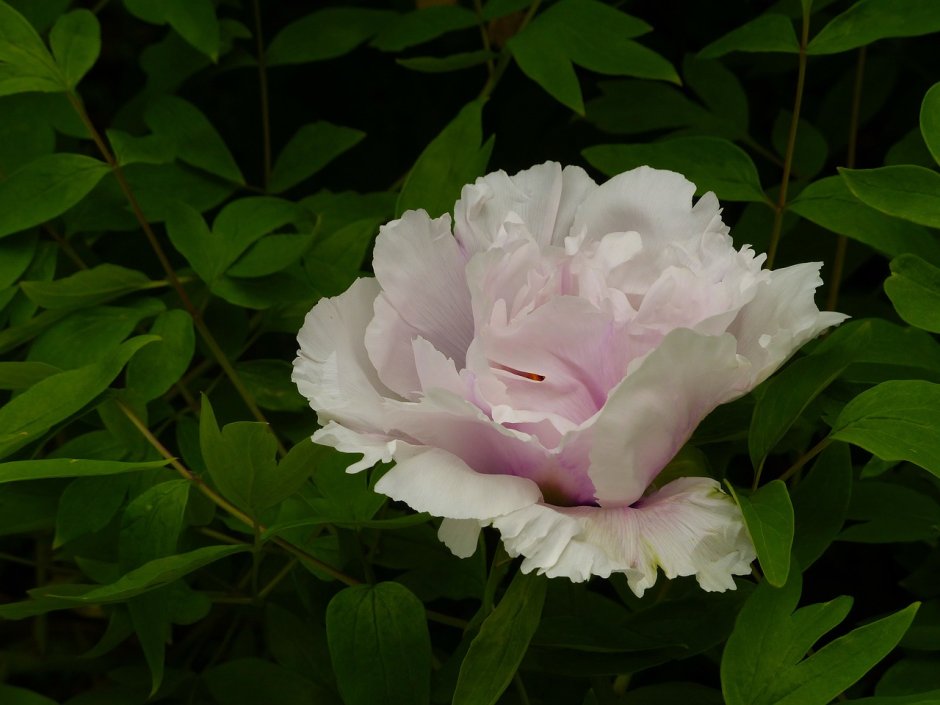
(460, 536)
(687, 528)
(424, 292)
(332, 369)
(440, 483)
(652, 413)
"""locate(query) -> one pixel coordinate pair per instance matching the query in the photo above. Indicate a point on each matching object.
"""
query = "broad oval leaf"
(326, 34)
(820, 502)
(379, 645)
(870, 20)
(767, 33)
(768, 515)
(87, 287)
(930, 120)
(309, 150)
(713, 164)
(423, 25)
(895, 420)
(496, 652)
(914, 289)
(76, 42)
(905, 191)
(46, 188)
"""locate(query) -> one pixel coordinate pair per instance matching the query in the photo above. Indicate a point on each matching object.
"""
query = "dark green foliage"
(182, 180)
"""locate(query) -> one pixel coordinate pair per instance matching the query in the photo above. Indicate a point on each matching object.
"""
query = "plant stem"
(791, 145)
(838, 263)
(276, 580)
(263, 88)
(171, 274)
(484, 35)
(805, 458)
(505, 56)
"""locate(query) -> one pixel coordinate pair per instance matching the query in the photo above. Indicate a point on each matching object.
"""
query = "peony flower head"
(535, 368)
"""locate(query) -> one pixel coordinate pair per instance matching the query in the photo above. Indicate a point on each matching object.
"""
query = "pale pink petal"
(781, 318)
(332, 369)
(375, 447)
(655, 203)
(652, 413)
(687, 528)
(437, 482)
(424, 292)
(542, 198)
(460, 536)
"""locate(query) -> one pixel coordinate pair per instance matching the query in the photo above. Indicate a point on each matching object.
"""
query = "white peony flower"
(535, 369)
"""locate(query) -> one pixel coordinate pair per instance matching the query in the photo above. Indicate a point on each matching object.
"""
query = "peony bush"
(656, 426)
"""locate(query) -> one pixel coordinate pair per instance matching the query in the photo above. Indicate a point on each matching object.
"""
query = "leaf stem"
(781, 206)
(171, 274)
(263, 88)
(805, 458)
(484, 35)
(838, 262)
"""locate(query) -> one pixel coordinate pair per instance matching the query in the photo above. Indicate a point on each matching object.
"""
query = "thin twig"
(263, 89)
(791, 145)
(505, 56)
(805, 458)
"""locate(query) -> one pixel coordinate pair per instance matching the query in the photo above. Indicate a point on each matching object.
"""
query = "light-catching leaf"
(905, 191)
(379, 645)
(930, 120)
(895, 421)
(25, 63)
(326, 34)
(496, 652)
(914, 289)
(46, 188)
(44, 469)
(711, 163)
(452, 159)
(763, 660)
(194, 20)
(768, 515)
(87, 287)
(309, 150)
(76, 42)
(157, 367)
(767, 33)
(868, 21)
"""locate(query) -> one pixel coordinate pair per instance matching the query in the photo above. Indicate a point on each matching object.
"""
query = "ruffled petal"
(653, 202)
(332, 369)
(543, 198)
(652, 413)
(435, 481)
(460, 536)
(424, 292)
(689, 527)
(781, 317)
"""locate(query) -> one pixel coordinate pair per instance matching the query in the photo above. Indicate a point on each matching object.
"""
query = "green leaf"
(196, 141)
(445, 64)
(712, 164)
(87, 505)
(291, 474)
(763, 660)
(46, 188)
(767, 33)
(309, 150)
(11, 695)
(889, 512)
(70, 467)
(87, 287)
(810, 152)
(768, 515)
(25, 63)
(152, 523)
(46, 403)
(271, 254)
(909, 192)
(27, 136)
(830, 204)
(423, 25)
(868, 21)
(250, 681)
(914, 289)
(22, 375)
(157, 367)
(379, 645)
(452, 159)
(151, 149)
(719, 89)
(930, 120)
(76, 42)
(500, 8)
(269, 382)
(496, 652)
(326, 34)
(895, 421)
(589, 34)
(789, 393)
(194, 20)
(820, 502)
